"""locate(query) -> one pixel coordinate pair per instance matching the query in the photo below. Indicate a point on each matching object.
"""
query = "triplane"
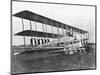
(72, 39)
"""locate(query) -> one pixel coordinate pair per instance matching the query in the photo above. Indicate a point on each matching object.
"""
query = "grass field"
(46, 62)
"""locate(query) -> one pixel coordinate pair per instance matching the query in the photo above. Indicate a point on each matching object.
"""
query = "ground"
(47, 62)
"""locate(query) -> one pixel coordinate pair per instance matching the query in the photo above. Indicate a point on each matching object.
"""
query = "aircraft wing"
(26, 14)
(38, 34)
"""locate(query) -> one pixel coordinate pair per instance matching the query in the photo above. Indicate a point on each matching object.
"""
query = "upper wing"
(45, 20)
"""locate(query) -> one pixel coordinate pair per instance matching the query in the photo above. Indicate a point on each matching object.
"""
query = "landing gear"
(71, 52)
(66, 51)
(82, 50)
(74, 50)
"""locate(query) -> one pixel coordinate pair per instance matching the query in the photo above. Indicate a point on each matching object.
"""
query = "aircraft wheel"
(66, 52)
(71, 52)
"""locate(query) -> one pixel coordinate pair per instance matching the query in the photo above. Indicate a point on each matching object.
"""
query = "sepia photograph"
(52, 37)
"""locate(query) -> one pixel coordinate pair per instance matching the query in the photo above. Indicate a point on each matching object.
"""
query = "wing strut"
(24, 35)
(36, 32)
(52, 31)
(46, 31)
(31, 40)
(30, 27)
(43, 31)
(63, 33)
(58, 34)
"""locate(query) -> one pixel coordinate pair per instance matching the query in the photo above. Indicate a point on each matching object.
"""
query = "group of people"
(38, 41)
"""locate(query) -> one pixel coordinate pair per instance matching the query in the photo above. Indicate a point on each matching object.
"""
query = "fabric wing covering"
(39, 18)
(37, 34)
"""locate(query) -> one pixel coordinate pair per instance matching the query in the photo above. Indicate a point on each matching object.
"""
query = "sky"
(82, 17)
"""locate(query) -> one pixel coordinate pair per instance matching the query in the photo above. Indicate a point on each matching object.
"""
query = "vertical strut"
(31, 28)
(36, 32)
(52, 31)
(24, 34)
(63, 32)
(31, 34)
(75, 34)
(72, 34)
(88, 37)
(43, 31)
(65, 36)
(46, 32)
(58, 34)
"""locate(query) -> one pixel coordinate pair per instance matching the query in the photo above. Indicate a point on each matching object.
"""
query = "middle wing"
(38, 34)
